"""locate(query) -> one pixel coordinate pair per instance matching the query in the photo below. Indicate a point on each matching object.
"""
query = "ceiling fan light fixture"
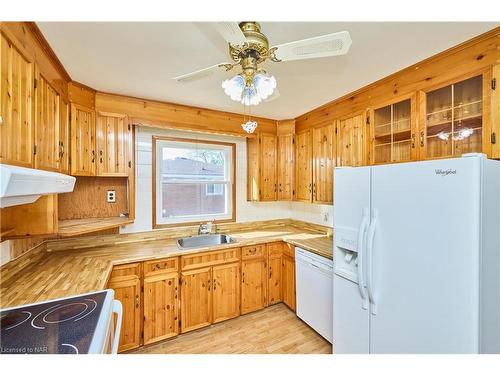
(249, 126)
(234, 87)
(264, 84)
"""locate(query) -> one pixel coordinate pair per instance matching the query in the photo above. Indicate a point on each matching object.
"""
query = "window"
(194, 181)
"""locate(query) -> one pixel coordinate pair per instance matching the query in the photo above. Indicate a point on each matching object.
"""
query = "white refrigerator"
(417, 257)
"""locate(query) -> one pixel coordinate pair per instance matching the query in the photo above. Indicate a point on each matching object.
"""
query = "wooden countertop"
(64, 273)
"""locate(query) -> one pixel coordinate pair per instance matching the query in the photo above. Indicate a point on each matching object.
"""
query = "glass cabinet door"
(454, 119)
(392, 133)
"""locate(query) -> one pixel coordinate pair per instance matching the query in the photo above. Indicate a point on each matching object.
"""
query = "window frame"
(232, 169)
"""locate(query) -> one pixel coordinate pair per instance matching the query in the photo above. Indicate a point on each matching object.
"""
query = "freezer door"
(424, 271)
(350, 298)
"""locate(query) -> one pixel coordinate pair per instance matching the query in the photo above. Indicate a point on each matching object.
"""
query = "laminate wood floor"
(274, 330)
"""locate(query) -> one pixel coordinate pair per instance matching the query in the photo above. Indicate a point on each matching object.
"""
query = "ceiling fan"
(249, 47)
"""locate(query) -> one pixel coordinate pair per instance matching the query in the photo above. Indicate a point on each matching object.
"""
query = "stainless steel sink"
(204, 241)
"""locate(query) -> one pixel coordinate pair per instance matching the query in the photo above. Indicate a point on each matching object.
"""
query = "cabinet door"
(161, 307)
(114, 139)
(495, 115)
(351, 148)
(16, 88)
(196, 299)
(286, 167)
(46, 126)
(253, 173)
(274, 266)
(226, 291)
(64, 137)
(268, 159)
(82, 141)
(324, 162)
(253, 285)
(128, 292)
(288, 280)
(303, 147)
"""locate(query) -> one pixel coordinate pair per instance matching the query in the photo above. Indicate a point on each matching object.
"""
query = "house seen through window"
(194, 181)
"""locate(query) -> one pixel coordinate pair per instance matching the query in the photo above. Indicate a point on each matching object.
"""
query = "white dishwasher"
(314, 288)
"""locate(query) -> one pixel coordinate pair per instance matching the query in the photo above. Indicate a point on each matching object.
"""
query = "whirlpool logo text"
(444, 173)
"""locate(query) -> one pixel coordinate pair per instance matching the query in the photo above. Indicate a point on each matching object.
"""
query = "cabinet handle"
(208, 284)
(100, 156)
(137, 301)
(93, 156)
(243, 277)
(270, 272)
(275, 188)
(215, 284)
(413, 140)
(421, 138)
(61, 149)
(310, 189)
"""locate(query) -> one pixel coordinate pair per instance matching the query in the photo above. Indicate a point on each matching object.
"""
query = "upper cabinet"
(64, 137)
(351, 145)
(261, 168)
(286, 167)
(323, 163)
(16, 105)
(114, 144)
(393, 133)
(303, 166)
(452, 119)
(47, 116)
(83, 155)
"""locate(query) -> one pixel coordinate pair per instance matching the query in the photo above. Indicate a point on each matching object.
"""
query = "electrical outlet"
(326, 217)
(110, 196)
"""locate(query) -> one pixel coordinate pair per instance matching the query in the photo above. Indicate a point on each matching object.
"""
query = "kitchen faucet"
(206, 228)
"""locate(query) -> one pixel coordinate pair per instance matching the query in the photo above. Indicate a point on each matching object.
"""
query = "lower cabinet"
(165, 297)
(196, 299)
(161, 307)
(127, 286)
(288, 276)
(253, 278)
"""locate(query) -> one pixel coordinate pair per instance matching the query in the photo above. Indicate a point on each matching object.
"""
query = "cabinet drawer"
(209, 258)
(257, 251)
(275, 249)
(161, 266)
(289, 250)
(126, 270)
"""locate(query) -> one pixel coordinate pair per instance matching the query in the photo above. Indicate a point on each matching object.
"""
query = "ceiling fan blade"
(275, 95)
(231, 32)
(202, 73)
(320, 46)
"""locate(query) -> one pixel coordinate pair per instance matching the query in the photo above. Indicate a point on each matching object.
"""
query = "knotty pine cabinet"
(16, 105)
(303, 166)
(47, 125)
(253, 278)
(161, 299)
(323, 163)
(288, 277)
(64, 137)
(286, 167)
(225, 292)
(274, 260)
(83, 154)
(262, 168)
(114, 144)
(125, 280)
(351, 141)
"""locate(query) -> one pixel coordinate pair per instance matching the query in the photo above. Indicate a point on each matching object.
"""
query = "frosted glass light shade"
(234, 87)
(261, 88)
(249, 126)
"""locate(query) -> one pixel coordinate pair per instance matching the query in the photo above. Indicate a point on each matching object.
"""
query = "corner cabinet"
(83, 155)
(16, 105)
(288, 276)
(262, 168)
(253, 278)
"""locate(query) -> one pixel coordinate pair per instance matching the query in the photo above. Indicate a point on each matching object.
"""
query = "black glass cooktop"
(61, 326)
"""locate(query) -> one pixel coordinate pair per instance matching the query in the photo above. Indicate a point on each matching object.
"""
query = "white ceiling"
(139, 59)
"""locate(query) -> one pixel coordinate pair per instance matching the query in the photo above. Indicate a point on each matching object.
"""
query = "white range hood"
(20, 185)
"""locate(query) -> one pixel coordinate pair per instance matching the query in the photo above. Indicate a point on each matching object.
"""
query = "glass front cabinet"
(442, 122)
(393, 132)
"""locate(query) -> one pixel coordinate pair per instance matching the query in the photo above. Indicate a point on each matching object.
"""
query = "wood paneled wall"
(471, 57)
(88, 199)
(176, 116)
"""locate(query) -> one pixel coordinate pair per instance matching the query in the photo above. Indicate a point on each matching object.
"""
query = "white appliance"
(314, 275)
(20, 185)
(417, 257)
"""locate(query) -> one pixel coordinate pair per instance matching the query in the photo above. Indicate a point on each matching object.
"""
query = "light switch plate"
(110, 196)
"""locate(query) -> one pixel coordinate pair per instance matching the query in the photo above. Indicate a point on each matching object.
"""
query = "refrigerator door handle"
(369, 248)
(361, 257)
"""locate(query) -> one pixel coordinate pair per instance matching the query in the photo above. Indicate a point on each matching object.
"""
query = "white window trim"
(229, 171)
(217, 191)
